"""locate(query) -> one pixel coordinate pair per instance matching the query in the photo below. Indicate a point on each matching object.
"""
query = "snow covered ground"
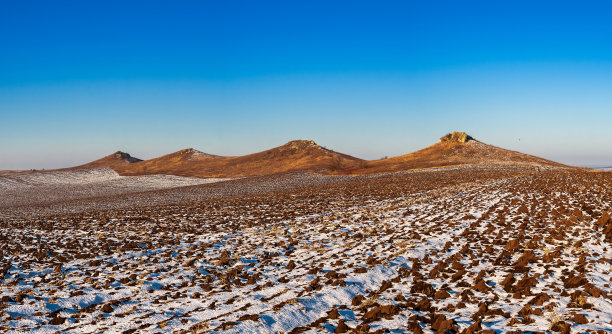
(98, 177)
(463, 249)
(23, 191)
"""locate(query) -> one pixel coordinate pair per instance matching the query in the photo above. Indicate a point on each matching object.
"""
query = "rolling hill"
(453, 149)
(114, 160)
(297, 155)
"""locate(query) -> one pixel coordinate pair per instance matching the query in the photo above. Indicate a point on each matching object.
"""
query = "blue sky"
(82, 79)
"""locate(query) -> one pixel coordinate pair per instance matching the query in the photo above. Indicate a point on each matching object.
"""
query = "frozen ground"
(460, 249)
(25, 190)
(108, 192)
(99, 177)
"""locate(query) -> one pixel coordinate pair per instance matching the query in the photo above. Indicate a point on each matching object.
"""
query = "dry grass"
(554, 318)
(202, 327)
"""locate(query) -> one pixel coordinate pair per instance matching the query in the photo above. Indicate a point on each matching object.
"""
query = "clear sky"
(82, 79)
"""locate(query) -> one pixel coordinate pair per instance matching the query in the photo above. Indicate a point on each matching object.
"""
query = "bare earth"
(457, 249)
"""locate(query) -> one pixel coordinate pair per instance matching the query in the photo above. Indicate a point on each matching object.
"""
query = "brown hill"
(114, 160)
(457, 148)
(297, 155)
(453, 149)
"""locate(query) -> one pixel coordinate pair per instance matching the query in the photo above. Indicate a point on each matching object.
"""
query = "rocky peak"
(295, 145)
(189, 151)
(302, 142)
(459, 137)
(122, 155)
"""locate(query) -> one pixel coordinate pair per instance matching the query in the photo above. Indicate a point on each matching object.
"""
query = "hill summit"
(454, 149)
(124, 156)
(460, 137)
(114, 160)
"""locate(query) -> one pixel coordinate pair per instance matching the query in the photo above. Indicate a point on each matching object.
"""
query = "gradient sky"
(82, 79)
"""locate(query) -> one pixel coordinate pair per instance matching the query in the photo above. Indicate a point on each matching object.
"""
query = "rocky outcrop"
(460, 137)
(125, 156)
